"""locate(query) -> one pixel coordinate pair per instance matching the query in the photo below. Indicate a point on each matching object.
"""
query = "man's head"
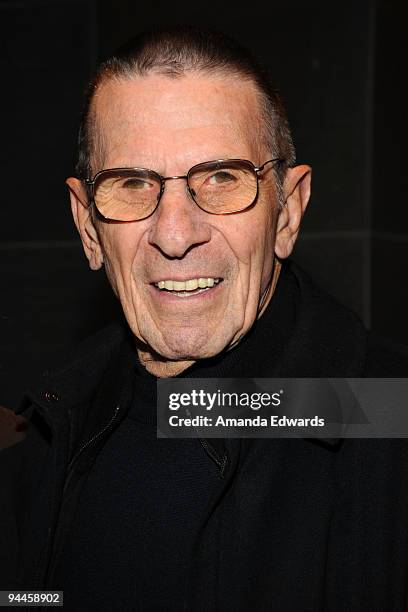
(167, 102)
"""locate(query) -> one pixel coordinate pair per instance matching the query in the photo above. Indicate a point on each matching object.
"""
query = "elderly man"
(188, 193)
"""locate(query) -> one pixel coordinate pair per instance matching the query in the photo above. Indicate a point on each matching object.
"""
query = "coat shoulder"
(92, 352)
(386, 358)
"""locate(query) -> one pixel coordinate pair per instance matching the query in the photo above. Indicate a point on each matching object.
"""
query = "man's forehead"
(155, 104)
(140, 95)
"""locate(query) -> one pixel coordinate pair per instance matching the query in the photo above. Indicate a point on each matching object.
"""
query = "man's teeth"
(188, 285)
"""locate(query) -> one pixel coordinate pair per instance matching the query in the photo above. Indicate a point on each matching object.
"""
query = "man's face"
(169, 125)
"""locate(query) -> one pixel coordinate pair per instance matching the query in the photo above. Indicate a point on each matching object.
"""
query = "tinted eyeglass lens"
(127, 195)
(223, 187)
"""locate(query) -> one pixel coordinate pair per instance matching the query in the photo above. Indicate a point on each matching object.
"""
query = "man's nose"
(178, 223)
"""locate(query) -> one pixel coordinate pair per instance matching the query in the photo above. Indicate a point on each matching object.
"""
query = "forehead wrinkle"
(103, 112)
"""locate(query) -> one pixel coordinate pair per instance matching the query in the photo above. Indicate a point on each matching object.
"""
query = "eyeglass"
(220, 187)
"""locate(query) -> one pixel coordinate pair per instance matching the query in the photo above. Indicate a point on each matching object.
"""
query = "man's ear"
(84, 222)
(296, 189)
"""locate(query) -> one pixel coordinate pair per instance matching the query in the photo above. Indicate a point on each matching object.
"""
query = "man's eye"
(136, 184)
(221, 177)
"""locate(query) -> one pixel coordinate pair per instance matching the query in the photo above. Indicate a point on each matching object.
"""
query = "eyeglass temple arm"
(270, 161)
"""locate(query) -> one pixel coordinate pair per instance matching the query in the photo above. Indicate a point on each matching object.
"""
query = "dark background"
(341, 68)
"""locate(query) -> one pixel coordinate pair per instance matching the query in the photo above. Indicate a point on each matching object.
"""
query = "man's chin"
(178, 346)
(185, 353)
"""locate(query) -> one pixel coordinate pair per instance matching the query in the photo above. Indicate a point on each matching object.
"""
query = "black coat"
(294, 525)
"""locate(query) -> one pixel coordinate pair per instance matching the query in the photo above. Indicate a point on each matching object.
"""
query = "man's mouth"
(189, 287)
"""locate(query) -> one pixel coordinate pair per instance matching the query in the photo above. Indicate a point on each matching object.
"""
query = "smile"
(188, 287)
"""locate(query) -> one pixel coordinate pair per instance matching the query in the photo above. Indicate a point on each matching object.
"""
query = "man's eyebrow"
(160, 169)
